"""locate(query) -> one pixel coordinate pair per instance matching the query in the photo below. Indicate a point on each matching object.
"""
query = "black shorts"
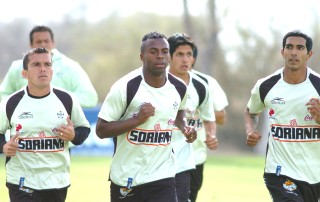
(183, 186)
(282, 188)
(157, 191)
(29, 195)
(196, 180)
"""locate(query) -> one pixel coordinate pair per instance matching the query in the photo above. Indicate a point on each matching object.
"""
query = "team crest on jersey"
(175, 105)
(25, 115)
(125, 192)
(278, 100)
(60, 114)
(289, 185)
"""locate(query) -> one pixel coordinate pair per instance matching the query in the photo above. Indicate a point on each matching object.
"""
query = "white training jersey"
(198, 106)
(143, 154)
(220, 101)
(294, 140)
(42, 159)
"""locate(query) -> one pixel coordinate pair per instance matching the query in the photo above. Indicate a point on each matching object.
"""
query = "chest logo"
(278, 100)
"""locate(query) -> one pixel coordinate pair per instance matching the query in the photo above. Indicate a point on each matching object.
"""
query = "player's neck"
(38, 92)
(294, 76)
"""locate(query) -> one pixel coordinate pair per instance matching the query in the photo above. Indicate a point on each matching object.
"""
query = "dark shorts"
(183, 186)
(157, 191)
(196, 179)
(28, 195)
(282, 188)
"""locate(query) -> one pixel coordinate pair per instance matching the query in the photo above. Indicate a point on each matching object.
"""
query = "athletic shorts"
(157, 191)
(183, 186)
(282, 188)
(196, 179)
(29, 195)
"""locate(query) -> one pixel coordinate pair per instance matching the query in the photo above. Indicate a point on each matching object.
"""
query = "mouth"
(161, 65)
(293, 60)
(184, 67)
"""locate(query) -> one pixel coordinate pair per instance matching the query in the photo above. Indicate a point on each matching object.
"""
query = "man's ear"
(24, 74)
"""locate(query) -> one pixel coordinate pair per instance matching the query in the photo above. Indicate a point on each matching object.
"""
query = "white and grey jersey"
(42, 158)
(294, 139)
(143, 154)
(198, 107)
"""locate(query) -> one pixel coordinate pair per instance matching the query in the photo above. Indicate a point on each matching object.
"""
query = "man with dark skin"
(139, 112)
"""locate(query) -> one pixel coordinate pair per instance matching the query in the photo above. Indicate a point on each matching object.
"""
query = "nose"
(42, 67)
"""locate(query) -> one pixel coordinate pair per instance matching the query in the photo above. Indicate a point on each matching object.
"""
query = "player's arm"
(106, 129)
(251, 122)
(210, 130)
(188, 131)
(220, 117)
(9, 82)
(83, 88)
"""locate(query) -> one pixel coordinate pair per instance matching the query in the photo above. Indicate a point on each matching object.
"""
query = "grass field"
(226, 179)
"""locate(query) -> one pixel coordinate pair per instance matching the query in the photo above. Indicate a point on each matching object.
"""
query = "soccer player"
(220, 102)
(42, 120)
(139, 112)
(291, 96)
(198, 105)
(67, 73)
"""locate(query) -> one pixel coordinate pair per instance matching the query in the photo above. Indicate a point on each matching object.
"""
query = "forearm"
(251, 121)
(220, 117)
(210, 128)
(81, 134)
(181, 120)
(105, 129)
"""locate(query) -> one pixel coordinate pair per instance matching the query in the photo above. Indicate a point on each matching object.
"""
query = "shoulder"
(179, 85)
(199, 78)
(313, 73)
(12, 101)
(203, 76)
(62, 94)
(62, 59)
(16, 65)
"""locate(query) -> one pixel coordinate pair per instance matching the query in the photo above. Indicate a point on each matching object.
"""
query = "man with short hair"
(198, 105)
(291, 96)
(139, 113)
(41, 121)
(67, 73)
(219, 102)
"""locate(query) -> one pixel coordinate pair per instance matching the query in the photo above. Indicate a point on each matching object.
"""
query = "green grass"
(226, 179)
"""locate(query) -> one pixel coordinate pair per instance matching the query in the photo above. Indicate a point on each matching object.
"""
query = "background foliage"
(109, 48)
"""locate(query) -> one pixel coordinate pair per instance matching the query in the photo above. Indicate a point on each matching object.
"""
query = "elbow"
(99, 128)
(99, 133)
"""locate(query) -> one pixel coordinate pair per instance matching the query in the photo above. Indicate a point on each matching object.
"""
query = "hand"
(190, 133)
(11, 147)
(66, 132)
(313, 107)
(146, 111)
(253, 138)
(212, 142)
